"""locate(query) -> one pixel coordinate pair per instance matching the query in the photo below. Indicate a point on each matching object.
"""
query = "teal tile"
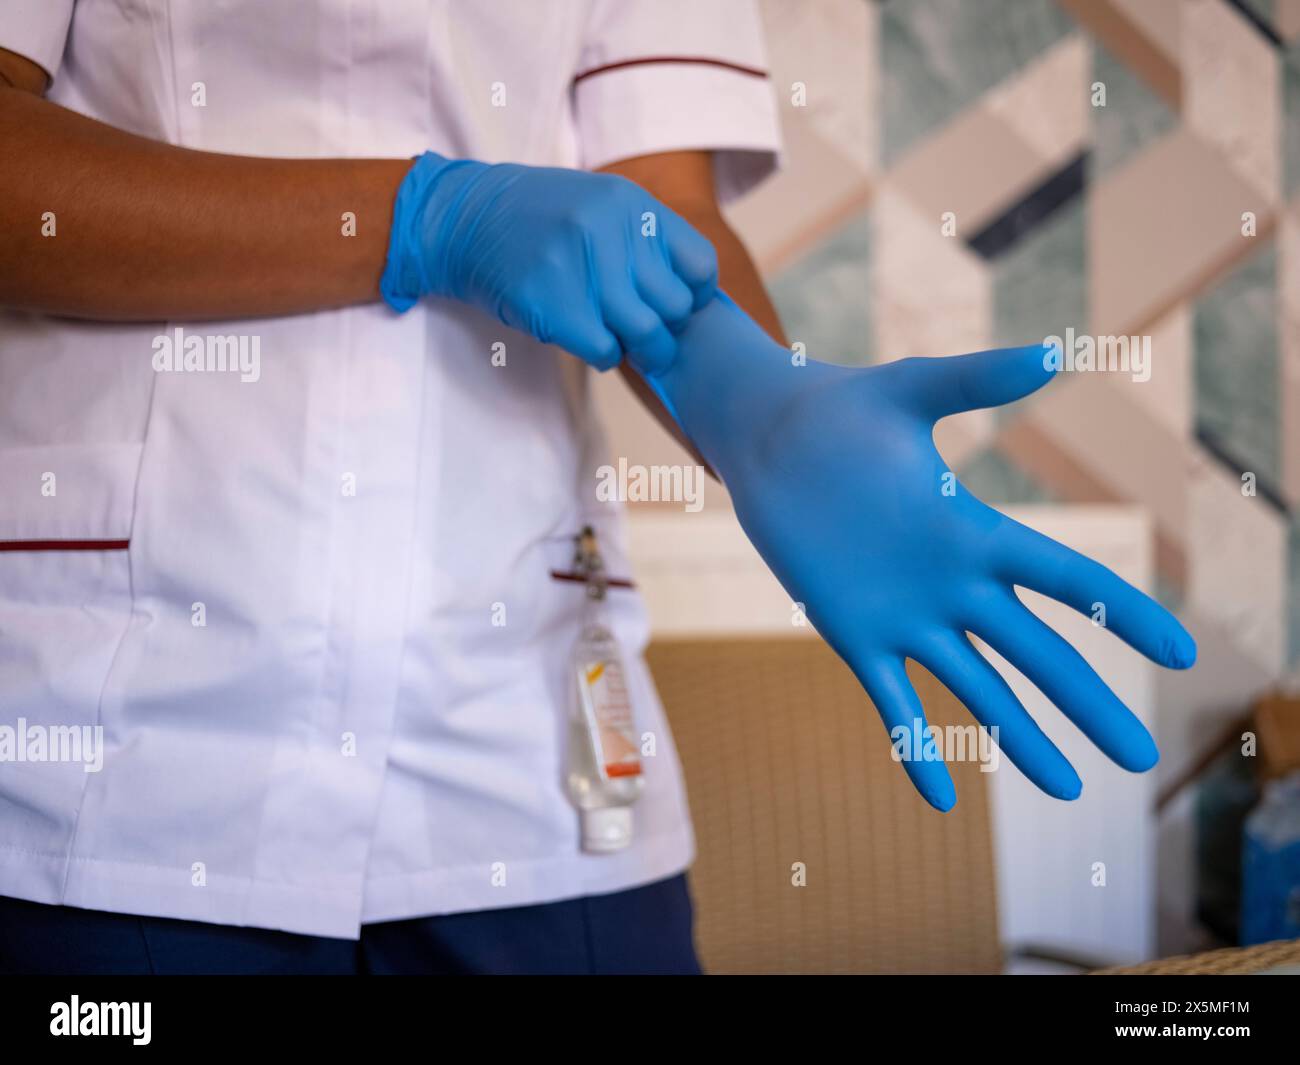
(939, 56)
(1040, 286)
(1133, 116)
(990, 476)
(1291, 120)
(1264, 9)
(1236, 365)
(1293, 592)
(1168, 594)
(824, 298)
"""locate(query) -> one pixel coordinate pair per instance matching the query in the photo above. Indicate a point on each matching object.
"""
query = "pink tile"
(1162, 227)
(1232, 95)
(974, 167)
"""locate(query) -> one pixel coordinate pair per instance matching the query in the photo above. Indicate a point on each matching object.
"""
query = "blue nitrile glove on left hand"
(591, 262)
(837, 482)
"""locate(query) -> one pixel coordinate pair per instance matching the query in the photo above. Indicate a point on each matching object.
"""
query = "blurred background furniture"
(787, 761)
(789, 767)
(1280, 958)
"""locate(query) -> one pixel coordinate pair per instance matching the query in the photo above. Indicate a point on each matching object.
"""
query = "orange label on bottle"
(609, 717)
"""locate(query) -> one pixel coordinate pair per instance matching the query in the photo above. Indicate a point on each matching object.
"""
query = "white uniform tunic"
(283, 599)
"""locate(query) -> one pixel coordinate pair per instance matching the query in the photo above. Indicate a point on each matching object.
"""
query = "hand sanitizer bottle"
(604, 771)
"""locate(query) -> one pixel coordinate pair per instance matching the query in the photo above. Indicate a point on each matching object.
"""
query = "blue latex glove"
(591, 262)
(836, 480)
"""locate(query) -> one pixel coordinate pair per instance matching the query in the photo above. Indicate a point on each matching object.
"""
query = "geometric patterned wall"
(1123, 219)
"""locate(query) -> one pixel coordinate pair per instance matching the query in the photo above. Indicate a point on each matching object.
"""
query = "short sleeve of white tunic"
(676, 75)
(37, 29)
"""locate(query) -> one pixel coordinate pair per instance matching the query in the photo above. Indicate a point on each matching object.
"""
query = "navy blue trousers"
(644, 930)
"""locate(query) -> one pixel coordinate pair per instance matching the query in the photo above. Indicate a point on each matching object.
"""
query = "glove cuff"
(411, 267)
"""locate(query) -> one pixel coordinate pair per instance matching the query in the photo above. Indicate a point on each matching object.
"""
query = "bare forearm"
(738, 275)
(99, 223)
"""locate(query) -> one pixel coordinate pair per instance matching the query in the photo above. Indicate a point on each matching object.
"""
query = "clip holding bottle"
(604, 761)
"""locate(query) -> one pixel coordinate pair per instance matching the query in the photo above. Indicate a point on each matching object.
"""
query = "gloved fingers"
(980, 688)
(1065, 677)
(691, 254)
(952, 384)
(1038, 562)
(577, 327)
(886, 682)
(639, 329)
(584, 336)
(663, 291)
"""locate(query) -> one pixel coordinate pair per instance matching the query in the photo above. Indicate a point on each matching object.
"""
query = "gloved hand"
(836, 480)
(590, 262)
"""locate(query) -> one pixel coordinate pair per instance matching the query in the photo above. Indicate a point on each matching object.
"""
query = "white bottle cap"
(606, 829)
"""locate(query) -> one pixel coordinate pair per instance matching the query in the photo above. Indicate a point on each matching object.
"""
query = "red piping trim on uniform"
(753, 72)
(613, 582)
(64, 545)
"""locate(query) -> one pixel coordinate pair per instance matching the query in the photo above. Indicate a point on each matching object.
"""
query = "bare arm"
(684, 182)
(145, 230)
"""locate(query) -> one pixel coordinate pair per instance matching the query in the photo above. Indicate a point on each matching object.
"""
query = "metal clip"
(588, 563)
